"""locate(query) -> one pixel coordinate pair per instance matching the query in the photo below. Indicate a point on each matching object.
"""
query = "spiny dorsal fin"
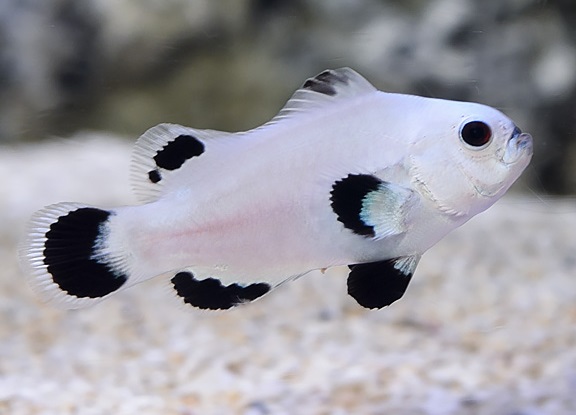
(327, 87)
(161, 151)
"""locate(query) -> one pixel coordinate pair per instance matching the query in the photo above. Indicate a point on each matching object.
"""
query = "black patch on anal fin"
(346, 198)
(173, 155)
(69, 255)
(324, 82)
(377, 284)
(211, 294)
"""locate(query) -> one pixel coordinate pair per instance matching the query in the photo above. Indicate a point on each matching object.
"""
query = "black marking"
(377, 284)
(154, 176)
(325, 82)
(212, 294)
(177, 151)
(347, 196)
(69, 251)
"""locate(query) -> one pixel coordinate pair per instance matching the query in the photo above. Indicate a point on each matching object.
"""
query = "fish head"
(469, 157)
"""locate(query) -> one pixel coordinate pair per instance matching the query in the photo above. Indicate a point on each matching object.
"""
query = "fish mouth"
(519, 147)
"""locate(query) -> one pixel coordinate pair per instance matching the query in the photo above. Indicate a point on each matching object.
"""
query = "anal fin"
(379, 284)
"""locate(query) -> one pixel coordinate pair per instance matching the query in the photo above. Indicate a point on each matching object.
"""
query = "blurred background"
(125, 65)
(487, 326)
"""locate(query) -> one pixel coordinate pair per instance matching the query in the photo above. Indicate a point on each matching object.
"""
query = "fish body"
(343, 175)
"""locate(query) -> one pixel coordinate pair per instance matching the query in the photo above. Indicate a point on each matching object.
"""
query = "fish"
(344, 175)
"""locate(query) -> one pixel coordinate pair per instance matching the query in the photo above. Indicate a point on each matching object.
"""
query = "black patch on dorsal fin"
(154, 176)
(211, 294)
(69, 254)
(177, 151)
(346, 198)
(324, 90)
(379, 284)
(325, 81)
(172, 146)
(173, 155)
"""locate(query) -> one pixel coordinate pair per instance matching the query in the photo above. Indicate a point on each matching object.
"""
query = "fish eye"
(476, 133)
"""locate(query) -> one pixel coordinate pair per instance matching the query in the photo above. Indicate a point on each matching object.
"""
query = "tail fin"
(66, 259)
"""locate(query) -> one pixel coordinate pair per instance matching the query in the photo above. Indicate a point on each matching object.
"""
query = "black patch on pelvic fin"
(69, 255)
(177, 151)
(377, 284)
(211, 294)
(324, 82)
(346, 198)
(154, 176)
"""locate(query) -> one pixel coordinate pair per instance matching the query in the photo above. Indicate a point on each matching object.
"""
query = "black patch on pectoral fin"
(371, 207)
(211, 294)
(379, 284)
(347, 197)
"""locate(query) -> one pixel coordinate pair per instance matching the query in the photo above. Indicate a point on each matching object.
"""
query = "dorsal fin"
(161, 151)
(327, 87)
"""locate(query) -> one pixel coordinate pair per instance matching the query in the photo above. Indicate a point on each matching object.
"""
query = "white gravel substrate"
(488, 325)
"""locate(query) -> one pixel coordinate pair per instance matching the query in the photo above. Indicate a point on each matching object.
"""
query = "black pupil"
(476, 133)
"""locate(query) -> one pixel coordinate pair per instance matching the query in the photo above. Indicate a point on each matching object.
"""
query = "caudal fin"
(66, 259)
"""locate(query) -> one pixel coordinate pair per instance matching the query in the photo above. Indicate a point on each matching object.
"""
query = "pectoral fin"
(379, 284)
(371, 207)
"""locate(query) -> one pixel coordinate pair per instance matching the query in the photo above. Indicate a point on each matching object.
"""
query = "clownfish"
(343, 175)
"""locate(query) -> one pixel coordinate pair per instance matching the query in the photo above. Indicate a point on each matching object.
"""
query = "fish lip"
(516, 156)
(519, 145)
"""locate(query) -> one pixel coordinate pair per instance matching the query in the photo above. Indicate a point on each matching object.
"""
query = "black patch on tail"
(377, 284)
(347, 196)
(211, 294)
(69, 252)
(324, 82)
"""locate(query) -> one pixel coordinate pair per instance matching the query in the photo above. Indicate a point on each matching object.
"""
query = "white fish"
(343, 175)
